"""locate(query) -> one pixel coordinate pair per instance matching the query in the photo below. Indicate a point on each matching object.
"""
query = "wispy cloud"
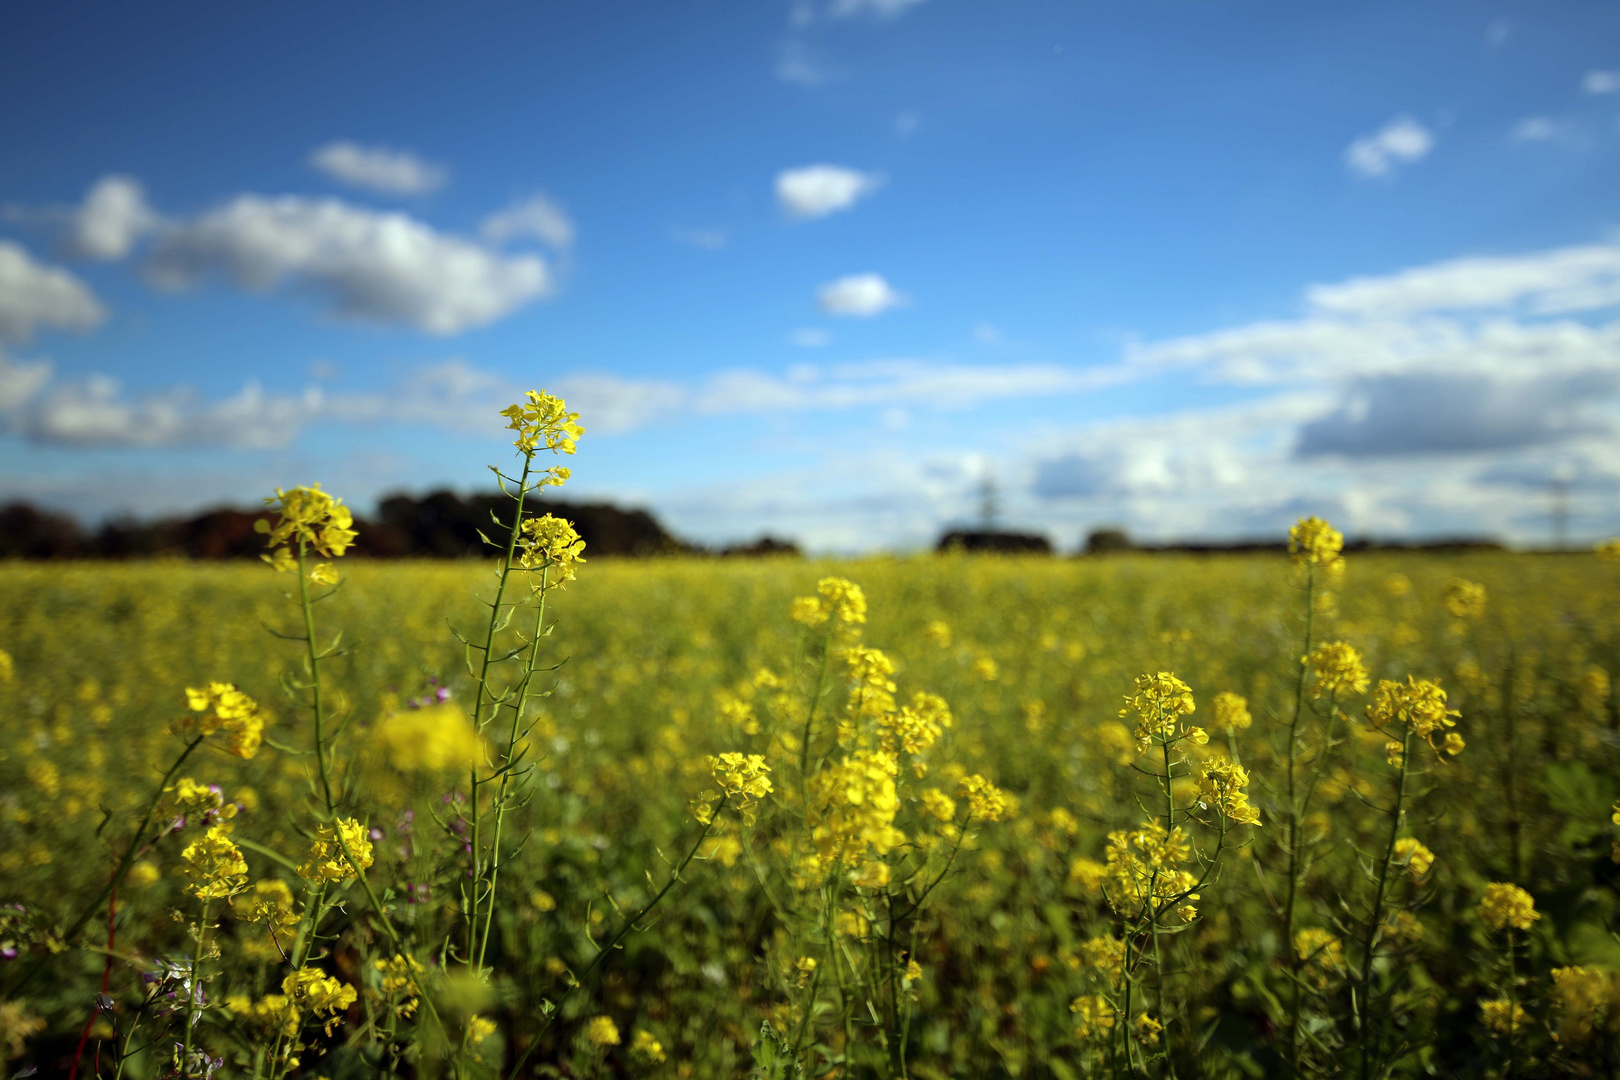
(1399, 142)
(379, 168)
(535, 218)
(1601, 82)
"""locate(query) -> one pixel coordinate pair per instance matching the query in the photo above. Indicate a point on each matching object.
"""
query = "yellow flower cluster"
(1337, 670)
(646, 1049)
(1321, 953)
(274, 1014)
(986, 802)
(1585, 1000)
(938, 804)
(433, 739)
(1506, 906)
(400, 981)
(543, 419)
(271, 903)
(1222, 786)
(852, 810)
(548, 543)
(185, 798)
(326, 861)
(1104, 957)
(917, 726)
(837, 599)
(601, 1032)
(1314, 542)
(1231, 713)
(1141, 867)
(1412, 856)
(1160, 701)
(222, 707)
(1464, 599)
(871, 676)
(1503, 1017)
(214, 866)
(308, 517)
(1418, 703)
(1093, 1016)
(313, 990)
(743, 777)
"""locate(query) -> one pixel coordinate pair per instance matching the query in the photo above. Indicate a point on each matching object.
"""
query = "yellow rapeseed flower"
(326, 861)
(214, 866)
(986, 802)
(1160, 701)
(1231, 713)
(1412, 856)
(543, 419)
(221, 706)
(1507, 906)
(1503, 1017)
(1337, 670)
(602, 1032)
(1464, 599)
(646, 1049)
(1314, 542)
(1093, 1016)
(306, 516)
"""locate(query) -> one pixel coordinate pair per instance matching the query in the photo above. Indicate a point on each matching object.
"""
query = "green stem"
(193, 1009)
(1153, 924)
(484, 694)
(1376, 923)
(1292, 819)
(506, 764)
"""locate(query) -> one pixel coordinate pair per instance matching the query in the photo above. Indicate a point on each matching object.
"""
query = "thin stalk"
(624, 930)
(810, 714)
(483, 692)
(1376, 922)
(314, 656)
(1153, 915)
(193, 1009)
(506, 762)
(1291, 819)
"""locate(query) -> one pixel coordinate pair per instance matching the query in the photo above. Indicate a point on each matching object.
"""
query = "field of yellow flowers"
(954, 816)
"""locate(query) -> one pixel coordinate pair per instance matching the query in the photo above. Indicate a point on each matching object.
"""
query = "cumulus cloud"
(1601, 82)
(818, 190)
(536, 218)
(861, 295)
(33, 295)
(1401, 141)
(372, 266)
(1426, 413)
(378, 168)
(112, 218)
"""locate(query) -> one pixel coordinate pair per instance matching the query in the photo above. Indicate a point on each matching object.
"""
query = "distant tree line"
(441, 525)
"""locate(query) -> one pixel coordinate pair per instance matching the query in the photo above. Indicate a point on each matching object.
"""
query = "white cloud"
(882, 9)
(97, 412)
(818, 190)
(796, 64)
(861, 295)
(373, 266)
(378, 168)
(1601, 82)
(537, 218)
(1401, 141)
(33, 295)
(810, 338)
(1537, 129)
(112, 218)
(1561, 280)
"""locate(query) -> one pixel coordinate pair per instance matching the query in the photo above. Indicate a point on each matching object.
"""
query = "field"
(858, 917)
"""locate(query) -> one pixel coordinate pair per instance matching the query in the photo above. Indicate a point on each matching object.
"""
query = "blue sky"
(821, 267)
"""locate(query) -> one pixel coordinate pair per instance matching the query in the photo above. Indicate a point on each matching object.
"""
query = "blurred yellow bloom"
(326, 861)
(1507, 906)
